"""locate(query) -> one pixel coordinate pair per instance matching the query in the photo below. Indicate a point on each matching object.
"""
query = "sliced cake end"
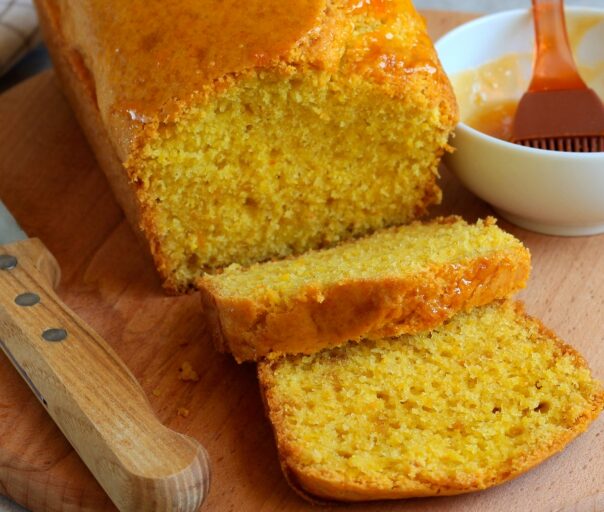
(471, 404)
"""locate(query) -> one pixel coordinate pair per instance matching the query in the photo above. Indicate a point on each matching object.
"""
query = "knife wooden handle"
(91, 395)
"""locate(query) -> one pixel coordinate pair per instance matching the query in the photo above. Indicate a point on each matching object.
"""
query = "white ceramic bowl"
(549, 192)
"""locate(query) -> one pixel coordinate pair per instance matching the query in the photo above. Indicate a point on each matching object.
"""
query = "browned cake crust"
(316, 486)
(80, 89)
(355, 308)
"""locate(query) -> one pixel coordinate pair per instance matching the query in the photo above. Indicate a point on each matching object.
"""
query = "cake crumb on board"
(186, 373)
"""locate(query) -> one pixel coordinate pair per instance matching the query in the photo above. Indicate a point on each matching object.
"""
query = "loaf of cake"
(400, 280)
(473, 403)
(237, 132)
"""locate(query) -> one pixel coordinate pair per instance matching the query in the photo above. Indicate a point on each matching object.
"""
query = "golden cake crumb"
(183, 411)
(187, 373)
(470, 404)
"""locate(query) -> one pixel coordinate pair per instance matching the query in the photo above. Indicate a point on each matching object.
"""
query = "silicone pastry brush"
(558, 112)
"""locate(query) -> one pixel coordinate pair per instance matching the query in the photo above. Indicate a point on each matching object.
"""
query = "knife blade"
(88, 391)
(10, 231)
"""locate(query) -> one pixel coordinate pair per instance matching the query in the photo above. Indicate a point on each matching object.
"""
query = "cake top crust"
(150, 52)
(147, 63)
(149, 57)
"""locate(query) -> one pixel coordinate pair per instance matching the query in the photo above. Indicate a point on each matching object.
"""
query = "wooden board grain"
(50, 181)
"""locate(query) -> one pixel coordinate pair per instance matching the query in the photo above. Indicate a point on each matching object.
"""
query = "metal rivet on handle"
(54, 334)
(7, 262)
(27, 299)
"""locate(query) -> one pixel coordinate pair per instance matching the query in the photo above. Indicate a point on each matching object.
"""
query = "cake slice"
(476, 402)
(402, 280)
(245, 131)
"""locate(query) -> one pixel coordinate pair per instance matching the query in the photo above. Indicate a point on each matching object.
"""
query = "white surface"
(546, 191)
(18, 30)
(467, 5)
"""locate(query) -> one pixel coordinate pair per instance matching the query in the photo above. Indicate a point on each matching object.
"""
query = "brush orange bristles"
(558, 112)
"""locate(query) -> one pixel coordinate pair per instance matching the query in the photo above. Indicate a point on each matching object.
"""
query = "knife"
(88, 391)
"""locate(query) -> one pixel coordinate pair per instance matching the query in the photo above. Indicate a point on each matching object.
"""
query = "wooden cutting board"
(50, 181)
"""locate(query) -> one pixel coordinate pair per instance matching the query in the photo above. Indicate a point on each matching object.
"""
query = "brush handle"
(554, 67)
(90, 394)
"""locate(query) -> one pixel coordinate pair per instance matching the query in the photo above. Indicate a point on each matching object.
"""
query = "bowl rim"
(515, 13)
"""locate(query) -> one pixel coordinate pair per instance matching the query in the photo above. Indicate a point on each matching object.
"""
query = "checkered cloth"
(18, 31)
